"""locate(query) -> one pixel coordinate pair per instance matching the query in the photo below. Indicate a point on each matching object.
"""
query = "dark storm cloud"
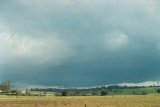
(79, 43)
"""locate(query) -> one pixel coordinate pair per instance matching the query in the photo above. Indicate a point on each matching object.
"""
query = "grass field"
(86, 101)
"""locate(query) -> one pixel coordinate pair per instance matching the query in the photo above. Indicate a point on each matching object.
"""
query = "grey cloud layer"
(79, 42)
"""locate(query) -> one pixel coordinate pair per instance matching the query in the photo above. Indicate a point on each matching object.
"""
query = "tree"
(77, 93)
(158, 91)
(103, 93)
(5, 86)
(94, 93)
(64, 93)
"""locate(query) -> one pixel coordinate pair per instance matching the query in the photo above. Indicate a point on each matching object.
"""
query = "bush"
(144, 93)
(134, 93)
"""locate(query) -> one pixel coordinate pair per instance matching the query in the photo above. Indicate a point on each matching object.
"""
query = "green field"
(82, 101)
(136, 91)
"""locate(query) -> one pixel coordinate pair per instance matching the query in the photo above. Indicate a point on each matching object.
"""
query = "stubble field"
(79, 101)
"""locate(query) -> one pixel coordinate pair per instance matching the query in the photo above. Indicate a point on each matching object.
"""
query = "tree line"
(7, 89)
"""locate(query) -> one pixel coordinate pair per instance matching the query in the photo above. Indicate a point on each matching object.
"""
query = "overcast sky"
(77, 43)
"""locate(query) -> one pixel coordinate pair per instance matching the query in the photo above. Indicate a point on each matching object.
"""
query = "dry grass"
(97, 101)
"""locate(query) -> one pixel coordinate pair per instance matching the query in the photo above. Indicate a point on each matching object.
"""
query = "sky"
(79, 43)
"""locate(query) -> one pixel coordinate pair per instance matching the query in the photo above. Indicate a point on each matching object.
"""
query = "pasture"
(82, 101)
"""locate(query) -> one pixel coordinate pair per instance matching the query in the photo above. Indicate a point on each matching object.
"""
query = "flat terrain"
(79, 101)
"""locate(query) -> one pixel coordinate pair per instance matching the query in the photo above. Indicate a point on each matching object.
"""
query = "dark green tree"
(158, 91)
(64, 93)
(103, 93)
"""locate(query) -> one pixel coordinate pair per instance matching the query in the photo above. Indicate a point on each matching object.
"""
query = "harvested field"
(86, 101)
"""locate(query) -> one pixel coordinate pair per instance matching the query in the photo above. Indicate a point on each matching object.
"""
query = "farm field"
(82, 101)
